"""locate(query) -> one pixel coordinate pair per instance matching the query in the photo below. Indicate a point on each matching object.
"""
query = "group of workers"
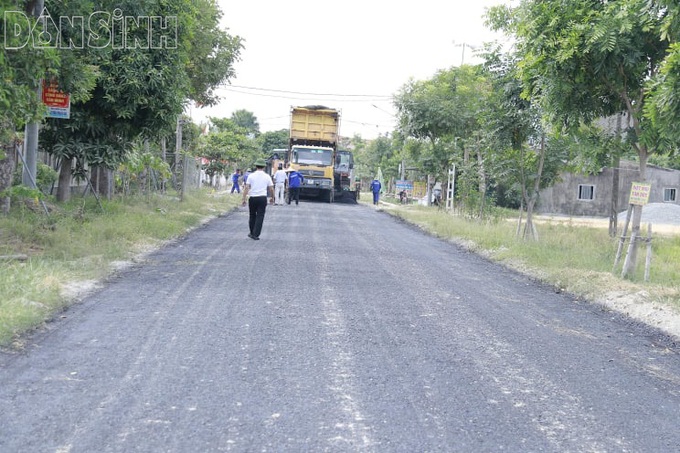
(258, 185)
(281, 178)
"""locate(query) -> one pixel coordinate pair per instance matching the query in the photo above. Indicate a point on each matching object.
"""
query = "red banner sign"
(57, 102)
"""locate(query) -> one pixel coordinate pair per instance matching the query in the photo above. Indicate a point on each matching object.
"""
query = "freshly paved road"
(341, 330)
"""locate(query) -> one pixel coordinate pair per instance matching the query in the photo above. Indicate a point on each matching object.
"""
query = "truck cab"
(315, 164)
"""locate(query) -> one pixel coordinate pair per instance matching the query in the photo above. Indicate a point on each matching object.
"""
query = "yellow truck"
(312, 149)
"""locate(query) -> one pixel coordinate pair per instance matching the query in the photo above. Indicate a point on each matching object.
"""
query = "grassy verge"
(78, 242)
(574, 258)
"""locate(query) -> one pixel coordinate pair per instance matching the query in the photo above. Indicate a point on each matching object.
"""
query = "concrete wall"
(563, 197)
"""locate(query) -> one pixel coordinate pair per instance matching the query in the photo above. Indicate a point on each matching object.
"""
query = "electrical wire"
(232, 90)
(378, 96)
(328, 97)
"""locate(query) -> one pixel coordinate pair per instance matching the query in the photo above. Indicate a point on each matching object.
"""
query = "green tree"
(229, 144)
(521, 163)
(23, 64)
(212, 53)
(363, 169)
(382, 155)
(446, 112)
(270, 140)
(247, 120)
(140, 92)
(582, 60)
(663, 106)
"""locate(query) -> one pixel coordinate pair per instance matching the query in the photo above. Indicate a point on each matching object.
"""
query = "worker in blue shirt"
(295, 180)
(375, 188)
(234, 181)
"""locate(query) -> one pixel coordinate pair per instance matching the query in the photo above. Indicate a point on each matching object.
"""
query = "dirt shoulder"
(636, 305)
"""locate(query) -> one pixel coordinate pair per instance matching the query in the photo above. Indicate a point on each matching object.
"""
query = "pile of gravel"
(658, 214)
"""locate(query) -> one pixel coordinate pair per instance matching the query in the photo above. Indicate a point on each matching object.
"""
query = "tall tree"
(211, 52)
(247, 120)
(444, 111)
(25, 60)
(583, 59)
(143, 86)
(270, 140)
(22, 66)
(229, 144)
(663, 108)
(524, 162)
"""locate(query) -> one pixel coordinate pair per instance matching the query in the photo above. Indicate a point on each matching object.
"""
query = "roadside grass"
(79, 242)
(574, 258)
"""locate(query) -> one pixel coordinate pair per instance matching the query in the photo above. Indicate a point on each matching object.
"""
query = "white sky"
(341, 49)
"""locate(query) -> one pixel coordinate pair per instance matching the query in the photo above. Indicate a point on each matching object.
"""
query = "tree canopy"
(124, 89)
(247, 121)
(581, 60)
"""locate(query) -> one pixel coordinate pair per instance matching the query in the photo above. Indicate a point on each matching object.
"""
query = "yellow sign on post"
(419, 189)
(639, 193)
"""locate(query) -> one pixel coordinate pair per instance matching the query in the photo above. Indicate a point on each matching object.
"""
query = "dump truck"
(312, 149)
(344, 183)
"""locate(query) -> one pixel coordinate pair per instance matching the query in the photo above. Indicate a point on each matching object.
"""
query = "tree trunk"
(519, 220)
(631, 258)
(144, 176)
(142, 180)
(6, 175)
(101, 181)
(523, 185)
(530, 228)
(616, 162)
(65, 172)
(163, 158)
(482, 181)
(465, 180)
(614, 206)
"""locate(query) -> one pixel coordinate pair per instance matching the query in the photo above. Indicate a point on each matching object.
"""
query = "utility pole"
(178, 150)
(31, 136)
(464, 45)
(178, 141)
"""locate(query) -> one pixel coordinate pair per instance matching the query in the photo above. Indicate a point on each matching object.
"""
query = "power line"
(300, 98)
(378, 96)
(365, 124)
(384, 111)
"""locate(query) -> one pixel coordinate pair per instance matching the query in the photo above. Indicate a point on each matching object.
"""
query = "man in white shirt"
(259, 184)
(280, 178)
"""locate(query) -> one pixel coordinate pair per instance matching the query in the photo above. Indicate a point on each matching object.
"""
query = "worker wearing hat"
(258, 186)
(295, 180)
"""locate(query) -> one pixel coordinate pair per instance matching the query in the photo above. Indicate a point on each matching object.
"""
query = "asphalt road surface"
(341, 330)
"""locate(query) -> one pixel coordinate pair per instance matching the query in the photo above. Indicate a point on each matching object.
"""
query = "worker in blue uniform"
(375, 188)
